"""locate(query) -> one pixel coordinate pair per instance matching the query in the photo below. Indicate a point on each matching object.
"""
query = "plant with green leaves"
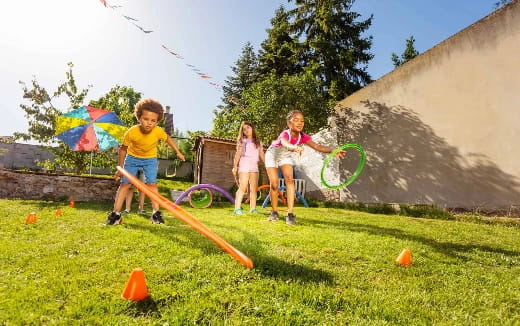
(41, 116)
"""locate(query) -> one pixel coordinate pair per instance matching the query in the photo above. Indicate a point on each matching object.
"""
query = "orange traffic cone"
(405, 258)
(135, 288)
(31, 218)
(58, 212)
(71, 203)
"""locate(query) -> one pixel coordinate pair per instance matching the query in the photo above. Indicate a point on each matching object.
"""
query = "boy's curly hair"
(148, 104)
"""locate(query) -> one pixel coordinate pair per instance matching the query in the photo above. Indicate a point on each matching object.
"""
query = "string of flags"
(134, 21)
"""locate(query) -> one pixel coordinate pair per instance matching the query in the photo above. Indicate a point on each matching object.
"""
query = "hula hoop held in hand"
(354, 176)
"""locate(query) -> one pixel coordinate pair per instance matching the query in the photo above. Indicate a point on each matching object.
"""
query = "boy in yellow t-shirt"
(139, 151)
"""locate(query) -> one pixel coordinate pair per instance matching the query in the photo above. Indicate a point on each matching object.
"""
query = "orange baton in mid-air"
(187, 218)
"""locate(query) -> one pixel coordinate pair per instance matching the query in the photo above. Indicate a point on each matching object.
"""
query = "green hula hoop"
(354, 176)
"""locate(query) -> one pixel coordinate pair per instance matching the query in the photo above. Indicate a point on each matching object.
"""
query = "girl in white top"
(283, 154)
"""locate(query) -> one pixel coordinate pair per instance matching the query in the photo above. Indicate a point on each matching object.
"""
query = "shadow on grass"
(275, 268)
(445, 247)
(147, 307)
(265, 264)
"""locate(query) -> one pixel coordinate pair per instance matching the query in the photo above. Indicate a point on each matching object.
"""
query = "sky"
(38, 38)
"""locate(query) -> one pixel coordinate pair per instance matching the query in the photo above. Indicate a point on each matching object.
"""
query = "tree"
(280, 52)
(409, 53)
(273, 97)
(270, 99)
(245, 74)
(501, 3)
(41, 115)
(189, 145)
(333, 48)
(121, 100)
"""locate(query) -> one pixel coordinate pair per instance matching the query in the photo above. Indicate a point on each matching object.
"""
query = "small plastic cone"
(31, 218)
(135, 288)
(58, 212)
(71, 203)
(404, 258)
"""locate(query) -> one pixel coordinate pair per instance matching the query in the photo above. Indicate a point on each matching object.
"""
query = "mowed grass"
(335, 267)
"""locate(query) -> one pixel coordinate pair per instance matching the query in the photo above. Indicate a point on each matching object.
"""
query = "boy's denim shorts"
(148, 165)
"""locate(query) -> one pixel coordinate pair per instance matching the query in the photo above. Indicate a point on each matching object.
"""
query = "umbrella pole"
(91, 153)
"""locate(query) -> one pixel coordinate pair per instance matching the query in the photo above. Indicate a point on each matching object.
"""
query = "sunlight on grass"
(335, 267)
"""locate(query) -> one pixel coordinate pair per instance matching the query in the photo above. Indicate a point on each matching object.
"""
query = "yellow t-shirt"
(143, 145)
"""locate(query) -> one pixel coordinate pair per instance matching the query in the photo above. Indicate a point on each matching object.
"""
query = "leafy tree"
(41, 115)
(121, 100)
(333, 48)
(272, 98)
(409, 53)
(187, 147)
(280, 52)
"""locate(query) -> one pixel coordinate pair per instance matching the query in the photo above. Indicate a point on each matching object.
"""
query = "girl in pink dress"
(249, 152)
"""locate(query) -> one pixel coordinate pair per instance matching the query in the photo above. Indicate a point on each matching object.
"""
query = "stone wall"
(37, 185)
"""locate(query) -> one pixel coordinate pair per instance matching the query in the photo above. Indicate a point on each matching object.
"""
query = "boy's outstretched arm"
(173, 145)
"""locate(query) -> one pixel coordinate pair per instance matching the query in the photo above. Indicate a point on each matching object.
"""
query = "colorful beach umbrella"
(90, 129)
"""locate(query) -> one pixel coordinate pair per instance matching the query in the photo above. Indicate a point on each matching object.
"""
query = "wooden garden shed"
(214, 162)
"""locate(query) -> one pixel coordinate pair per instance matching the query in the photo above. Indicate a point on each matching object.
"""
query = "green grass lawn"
(335, 267)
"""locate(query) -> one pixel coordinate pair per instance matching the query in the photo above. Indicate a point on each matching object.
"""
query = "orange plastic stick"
(187, 218)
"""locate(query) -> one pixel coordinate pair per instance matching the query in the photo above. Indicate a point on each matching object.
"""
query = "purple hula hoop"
(208, 186)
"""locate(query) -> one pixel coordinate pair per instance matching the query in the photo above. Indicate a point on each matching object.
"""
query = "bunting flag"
(175, 54)
(130, 18)
(145, 31)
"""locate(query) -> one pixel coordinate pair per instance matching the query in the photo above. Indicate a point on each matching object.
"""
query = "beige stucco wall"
(443, 128)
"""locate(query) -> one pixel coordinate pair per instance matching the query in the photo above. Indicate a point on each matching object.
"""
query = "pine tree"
(333, 46)
(280, 52)
(409, 53)
(245, 74)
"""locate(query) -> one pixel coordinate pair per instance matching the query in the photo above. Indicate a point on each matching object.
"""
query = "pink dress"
(250, 156)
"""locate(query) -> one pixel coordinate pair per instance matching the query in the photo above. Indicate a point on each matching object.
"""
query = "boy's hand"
(181, 156)
(118, 175)
(234, 171)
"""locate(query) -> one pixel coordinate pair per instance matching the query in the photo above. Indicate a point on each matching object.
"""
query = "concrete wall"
(16, 156)
(443, 128)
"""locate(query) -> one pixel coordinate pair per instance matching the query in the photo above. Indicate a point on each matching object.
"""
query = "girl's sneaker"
(273, 217)
(125, 212)
(291, 219)
(238, 211)
(254, 211)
